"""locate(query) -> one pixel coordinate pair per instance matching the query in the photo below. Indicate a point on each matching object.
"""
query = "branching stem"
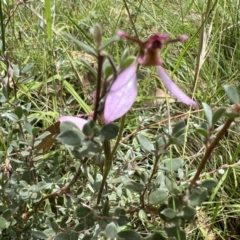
(208, 152)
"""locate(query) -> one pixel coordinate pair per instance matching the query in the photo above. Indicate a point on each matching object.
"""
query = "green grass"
(55, 84)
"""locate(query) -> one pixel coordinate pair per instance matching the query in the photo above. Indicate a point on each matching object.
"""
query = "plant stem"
(208, 152)
(99, 83)
(107, 167)
(131, 19)
(2, 27)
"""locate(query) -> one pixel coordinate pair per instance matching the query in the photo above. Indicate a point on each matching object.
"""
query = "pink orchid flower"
(149, 56)
(123, 91)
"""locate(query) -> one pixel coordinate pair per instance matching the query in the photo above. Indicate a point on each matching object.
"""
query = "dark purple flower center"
(156, 44)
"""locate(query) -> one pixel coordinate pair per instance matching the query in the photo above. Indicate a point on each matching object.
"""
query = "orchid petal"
(79, 122)
(121, 95)
(122, 34)
(174, 89)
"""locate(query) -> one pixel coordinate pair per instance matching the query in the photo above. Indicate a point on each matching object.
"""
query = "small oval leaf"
(145, 143)
(158, 196)
(111, 231)
(70, 137)
(109, 131)
(189, 212)
(134, 186)
(82, 211)
(209, 184)
(232, 93)
(208, 113)
(217, 115)
(173, 164)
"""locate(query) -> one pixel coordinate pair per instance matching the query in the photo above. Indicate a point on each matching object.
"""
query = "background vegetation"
(44, 75)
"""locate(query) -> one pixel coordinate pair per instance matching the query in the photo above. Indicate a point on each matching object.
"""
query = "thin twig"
(208, 152)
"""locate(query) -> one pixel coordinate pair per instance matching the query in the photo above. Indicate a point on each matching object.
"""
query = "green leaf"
(173, 164)
(62, 236)
(65, 126)
(145, 143)
(121, 214)
(3, 223)
(217, 115)
(169, 213)
(142, 215)
(134, 186)
(161, 208)
(89, 67)
(90, 220)
(80, 227)
(208, 113)
(82, 45)
(202, 132)
(70, 137)
(3, 99)
(209, 184)
(189, 212)
(172, 186)
(129, 235)
(110, 41)
(24, 193)
(197, 196)
(54, 226)
(109, 131)
(87, 128)
(107, 68)
(83, 211)
(127, 62)
(27, 68)
(7, 214)
(174, 202)
(11, 116)
(232, 93)
(157, 196)
(18, 111)
(74, 235)
(178, 129)
(111, 231)
(87, 237)
(89, 148)
(5, 93)
(35, 131)
(39, 234)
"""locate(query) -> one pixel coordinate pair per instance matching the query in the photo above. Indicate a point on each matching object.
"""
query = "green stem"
(119, 137)
(2, 27)
(99, 83)
(131, 19)
(107, 167)
(209, 151)
(109, 156)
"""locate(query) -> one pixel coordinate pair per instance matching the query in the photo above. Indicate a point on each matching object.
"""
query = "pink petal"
(174, 89)
(122, 34)
(183, 38)
(121, 95)
(79, 122)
